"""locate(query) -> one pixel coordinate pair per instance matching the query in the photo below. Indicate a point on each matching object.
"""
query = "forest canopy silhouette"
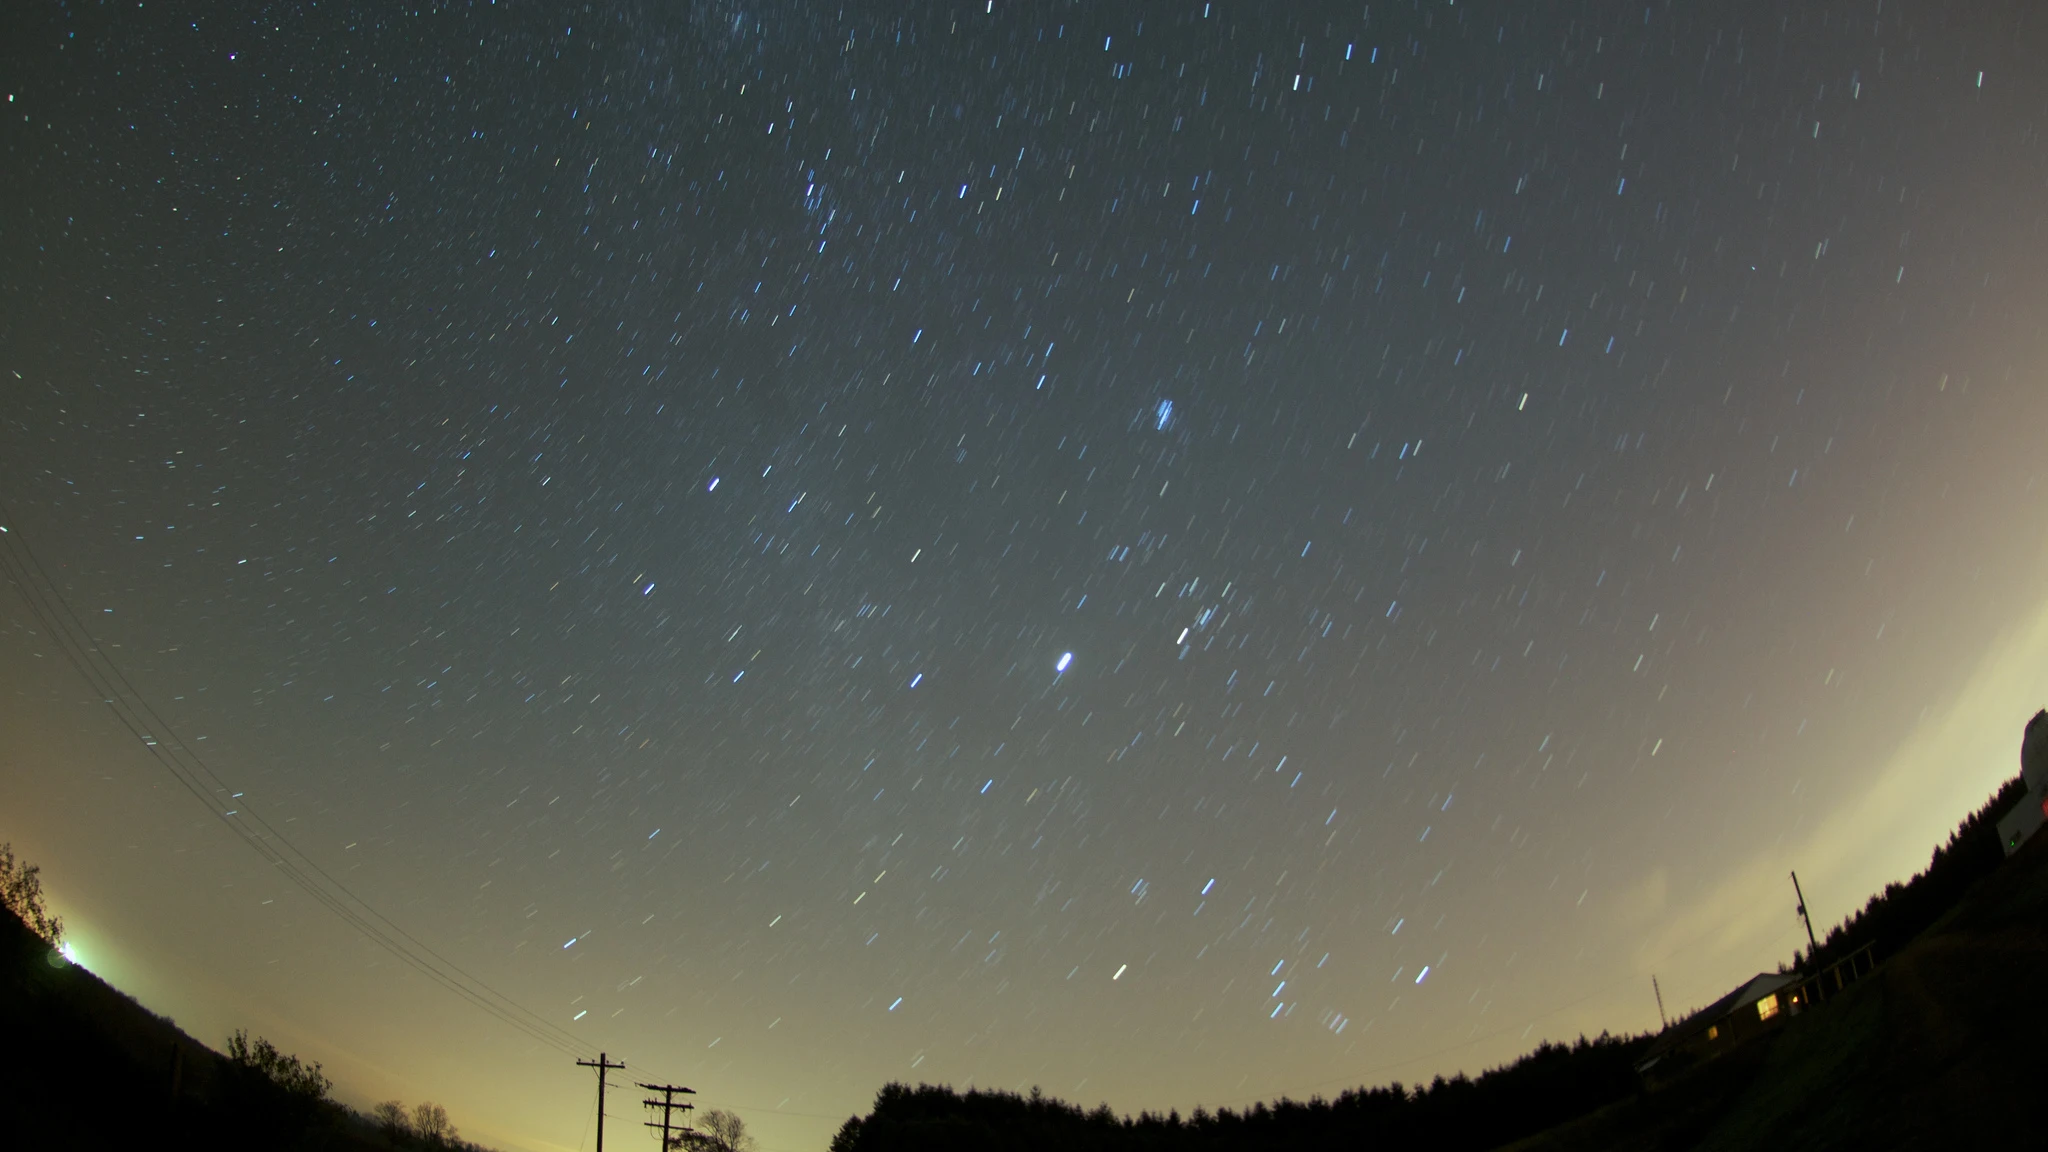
(1549, 1086)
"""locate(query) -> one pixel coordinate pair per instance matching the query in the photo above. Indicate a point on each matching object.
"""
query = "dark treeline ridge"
(1550, 1085)
(1902, 911)
(1554, 1084)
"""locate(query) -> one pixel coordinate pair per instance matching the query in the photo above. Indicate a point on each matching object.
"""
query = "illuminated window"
(1767, 1008)
(1714, 1033)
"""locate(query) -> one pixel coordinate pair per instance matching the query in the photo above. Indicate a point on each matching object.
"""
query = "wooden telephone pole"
(602, 1064)
(1812, 945)
(668, 1107)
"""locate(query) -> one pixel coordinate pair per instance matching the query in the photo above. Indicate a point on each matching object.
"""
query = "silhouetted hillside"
(1902, 911)
(89, 1068)
(1944, 1038)
(1941, 1047)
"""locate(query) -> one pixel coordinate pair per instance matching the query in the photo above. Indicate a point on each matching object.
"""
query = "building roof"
(1756, 988)
(1759, 986)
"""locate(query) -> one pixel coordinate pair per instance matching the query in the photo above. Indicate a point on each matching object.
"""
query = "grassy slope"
(1944, 1046)
(87, 1067)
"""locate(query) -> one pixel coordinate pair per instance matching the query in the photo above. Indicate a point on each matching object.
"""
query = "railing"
(1832, 979)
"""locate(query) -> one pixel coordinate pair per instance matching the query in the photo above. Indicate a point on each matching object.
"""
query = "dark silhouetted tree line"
(270, 1095)
(1550, 1085)
(1902, 911)
(717, 1131)
(426, 1126)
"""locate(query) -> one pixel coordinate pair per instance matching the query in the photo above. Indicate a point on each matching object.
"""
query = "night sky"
(1174, 552)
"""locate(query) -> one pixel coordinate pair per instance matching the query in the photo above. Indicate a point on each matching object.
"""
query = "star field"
(1178, 553)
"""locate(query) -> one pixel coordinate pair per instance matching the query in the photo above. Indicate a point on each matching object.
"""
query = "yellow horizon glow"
(1944, 769)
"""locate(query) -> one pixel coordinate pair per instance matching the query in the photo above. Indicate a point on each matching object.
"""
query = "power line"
(75, 642)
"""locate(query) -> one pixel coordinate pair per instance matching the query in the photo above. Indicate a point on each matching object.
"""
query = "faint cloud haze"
(1880, 835)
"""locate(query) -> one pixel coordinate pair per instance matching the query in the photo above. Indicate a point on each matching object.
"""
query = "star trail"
(1177, 553)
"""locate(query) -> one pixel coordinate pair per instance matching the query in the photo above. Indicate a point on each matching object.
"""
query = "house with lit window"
(1762, 1003)
(2026, 817)
(1766, 1001)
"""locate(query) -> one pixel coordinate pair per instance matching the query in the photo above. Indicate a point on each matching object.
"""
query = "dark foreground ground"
(1945, 1046)
(84, 1067)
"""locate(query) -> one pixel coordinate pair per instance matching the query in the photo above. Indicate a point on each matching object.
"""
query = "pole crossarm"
(669, 1107)
(603, 1064)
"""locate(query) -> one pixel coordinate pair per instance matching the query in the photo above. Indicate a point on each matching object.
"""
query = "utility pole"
(602, 1064)
(668, 1105)
(1663, 1019)
(1812, 945)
